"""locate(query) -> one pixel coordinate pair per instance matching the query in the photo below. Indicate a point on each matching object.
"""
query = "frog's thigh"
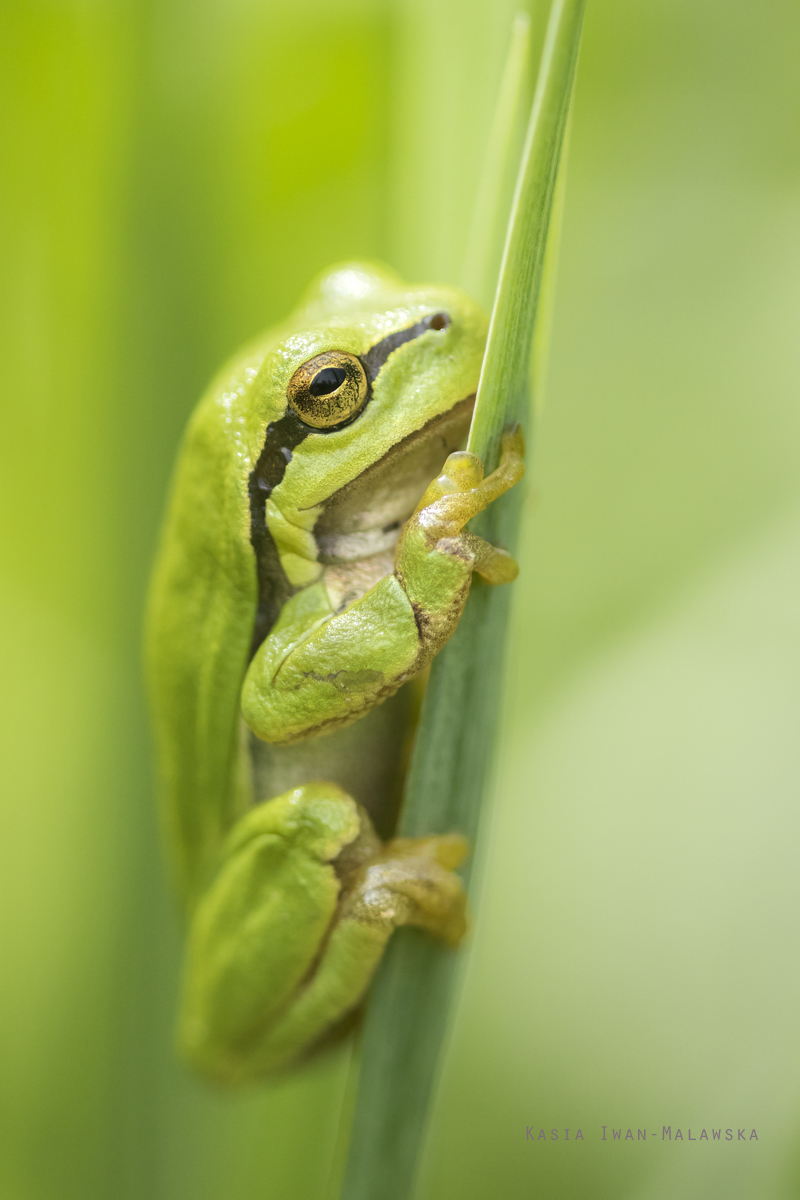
(257, 930)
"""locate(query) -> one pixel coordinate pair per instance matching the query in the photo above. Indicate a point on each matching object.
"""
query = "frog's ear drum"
(328, 390)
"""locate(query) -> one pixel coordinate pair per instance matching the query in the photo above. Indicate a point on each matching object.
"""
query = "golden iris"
(328, 390)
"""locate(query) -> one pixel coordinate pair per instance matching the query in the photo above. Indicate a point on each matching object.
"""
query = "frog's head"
(364, 363)
(359, 397)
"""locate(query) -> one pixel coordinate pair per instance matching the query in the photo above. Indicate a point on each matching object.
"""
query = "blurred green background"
(173, 173)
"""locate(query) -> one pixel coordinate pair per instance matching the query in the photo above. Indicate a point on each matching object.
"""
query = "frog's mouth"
(364, 517)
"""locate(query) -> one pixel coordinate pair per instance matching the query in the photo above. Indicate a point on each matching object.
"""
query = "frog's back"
(201, 609)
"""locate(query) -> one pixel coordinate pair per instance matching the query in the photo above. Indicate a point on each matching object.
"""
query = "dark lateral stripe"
(274, 588)
(374, 359)
(281, 440)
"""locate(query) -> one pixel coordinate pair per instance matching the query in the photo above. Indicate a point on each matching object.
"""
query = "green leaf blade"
(505, 367)
(407, 1019)
(489, 224)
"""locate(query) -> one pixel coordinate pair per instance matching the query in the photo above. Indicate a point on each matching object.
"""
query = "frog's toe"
(402, 888)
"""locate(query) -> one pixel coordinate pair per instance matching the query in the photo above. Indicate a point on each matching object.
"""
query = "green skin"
(292, 899)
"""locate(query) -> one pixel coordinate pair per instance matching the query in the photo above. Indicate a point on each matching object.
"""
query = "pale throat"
(359, 526)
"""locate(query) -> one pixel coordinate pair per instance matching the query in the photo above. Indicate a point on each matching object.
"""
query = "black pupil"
(326, 381)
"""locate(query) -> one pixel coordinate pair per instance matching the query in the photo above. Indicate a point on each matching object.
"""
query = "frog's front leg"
(435, 557)
(285, 941)
(317, 671)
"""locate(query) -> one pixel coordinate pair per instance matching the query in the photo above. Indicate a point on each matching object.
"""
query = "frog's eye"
(328, 390)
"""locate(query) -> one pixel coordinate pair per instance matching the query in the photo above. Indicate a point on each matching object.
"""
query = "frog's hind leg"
(285, 941)
(410, 883)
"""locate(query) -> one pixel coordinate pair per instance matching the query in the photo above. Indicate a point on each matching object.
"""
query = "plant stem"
(489, 223)
(407, 1018)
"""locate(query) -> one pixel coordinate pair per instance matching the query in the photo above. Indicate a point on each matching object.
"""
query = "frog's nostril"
(439, 321)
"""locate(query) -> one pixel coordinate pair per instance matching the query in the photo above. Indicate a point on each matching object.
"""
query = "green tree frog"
(308, 569)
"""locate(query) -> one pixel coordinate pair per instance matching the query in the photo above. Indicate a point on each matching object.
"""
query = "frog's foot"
(435, 557)
(463, 483)
(285, 942)
(411, 882)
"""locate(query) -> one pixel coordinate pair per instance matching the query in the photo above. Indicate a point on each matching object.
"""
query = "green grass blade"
(498, 176)
(407, 1018)
(501, 391)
